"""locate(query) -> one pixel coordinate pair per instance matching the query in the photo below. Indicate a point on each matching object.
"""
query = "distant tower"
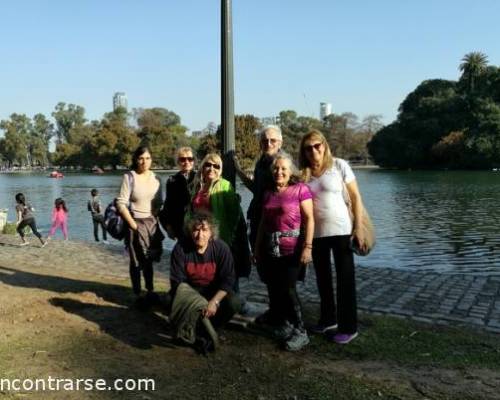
(325, 109)
(120, 100)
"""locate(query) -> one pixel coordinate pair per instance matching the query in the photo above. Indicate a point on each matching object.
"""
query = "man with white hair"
(271, 140)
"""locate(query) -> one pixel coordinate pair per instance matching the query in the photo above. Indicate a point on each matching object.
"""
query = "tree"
(161, 129)
(473, 64)
(67, 117)
(17, 139)
(247, 140)
(41, 133)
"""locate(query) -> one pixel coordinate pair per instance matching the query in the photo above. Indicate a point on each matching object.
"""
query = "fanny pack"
(273, 240)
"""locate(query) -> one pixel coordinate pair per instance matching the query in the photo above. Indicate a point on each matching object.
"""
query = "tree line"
(109, 142)
(445, 123)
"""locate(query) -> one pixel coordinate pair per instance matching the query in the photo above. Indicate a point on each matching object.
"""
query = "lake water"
(428, 220)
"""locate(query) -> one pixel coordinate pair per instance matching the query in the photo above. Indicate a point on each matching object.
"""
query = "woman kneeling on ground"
(202, 279)
(283, 248)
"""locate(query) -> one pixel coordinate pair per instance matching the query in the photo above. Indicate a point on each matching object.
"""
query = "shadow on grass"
(142, 330)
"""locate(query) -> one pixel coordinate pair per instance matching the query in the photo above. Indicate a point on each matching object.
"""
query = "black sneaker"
(321, 328)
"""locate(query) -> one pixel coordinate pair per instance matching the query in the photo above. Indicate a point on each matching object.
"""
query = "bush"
(9, 228)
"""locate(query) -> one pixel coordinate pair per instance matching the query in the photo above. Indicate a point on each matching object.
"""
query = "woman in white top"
(139, 203)
(333, 231)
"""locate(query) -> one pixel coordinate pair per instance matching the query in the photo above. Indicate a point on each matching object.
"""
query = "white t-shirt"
(331, 216)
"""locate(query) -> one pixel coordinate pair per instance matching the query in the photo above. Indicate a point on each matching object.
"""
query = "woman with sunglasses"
(177, 194)
(215, 195)
(333, 231)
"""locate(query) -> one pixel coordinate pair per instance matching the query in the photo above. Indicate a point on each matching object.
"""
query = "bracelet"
(217, 303)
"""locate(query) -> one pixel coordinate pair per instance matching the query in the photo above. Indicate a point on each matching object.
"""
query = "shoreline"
(440, 299)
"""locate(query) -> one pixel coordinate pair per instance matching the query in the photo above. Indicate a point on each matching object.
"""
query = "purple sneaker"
(344, 338)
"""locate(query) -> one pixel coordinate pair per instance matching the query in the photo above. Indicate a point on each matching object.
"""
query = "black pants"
(346, 311)
(32, 224)
(281, 275)
(135, 276)
(97, 221)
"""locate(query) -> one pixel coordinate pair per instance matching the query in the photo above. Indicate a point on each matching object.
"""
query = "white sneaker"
(297, 341)
(105, 242)
(24, 243)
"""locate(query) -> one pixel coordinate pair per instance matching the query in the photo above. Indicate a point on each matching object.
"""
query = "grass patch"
(384, 338)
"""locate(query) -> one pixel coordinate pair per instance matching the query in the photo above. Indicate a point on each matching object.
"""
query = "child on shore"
(59, 218)
(94, 206)
(25, 217)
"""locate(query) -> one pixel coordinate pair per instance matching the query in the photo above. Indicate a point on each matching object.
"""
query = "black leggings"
(346, 311)
(281, 275)
(32, 224)
(135, 276)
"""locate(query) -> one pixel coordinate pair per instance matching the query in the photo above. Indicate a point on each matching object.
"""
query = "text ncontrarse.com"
(76, 384)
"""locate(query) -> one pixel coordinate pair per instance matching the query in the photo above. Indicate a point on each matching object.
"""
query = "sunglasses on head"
(184, 159)
(213, 165)
(315, 146)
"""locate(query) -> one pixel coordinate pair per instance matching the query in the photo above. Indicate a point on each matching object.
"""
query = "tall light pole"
(227, 91)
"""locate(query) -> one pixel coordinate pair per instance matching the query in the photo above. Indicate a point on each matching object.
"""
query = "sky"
(361, 56)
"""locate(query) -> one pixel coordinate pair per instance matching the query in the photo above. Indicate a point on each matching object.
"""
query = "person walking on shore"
(177, 195)
(59, 218)
(25, 217)
(95, 208)
(139, 203)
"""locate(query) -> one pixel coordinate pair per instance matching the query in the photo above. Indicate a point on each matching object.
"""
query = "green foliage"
(9, 228)
(67, 117)
(446, 123)
(247, 141)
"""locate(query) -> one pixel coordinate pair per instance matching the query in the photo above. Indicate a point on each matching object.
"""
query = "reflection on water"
(432, 220)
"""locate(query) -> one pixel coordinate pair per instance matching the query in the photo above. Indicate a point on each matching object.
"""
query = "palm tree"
(473, 64)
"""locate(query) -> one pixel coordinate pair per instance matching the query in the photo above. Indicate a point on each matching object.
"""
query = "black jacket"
(177, 198)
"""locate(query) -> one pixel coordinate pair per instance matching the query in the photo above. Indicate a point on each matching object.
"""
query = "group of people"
(25, 218)
(297, 217)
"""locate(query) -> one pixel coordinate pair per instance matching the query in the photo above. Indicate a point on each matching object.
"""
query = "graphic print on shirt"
(200, 274)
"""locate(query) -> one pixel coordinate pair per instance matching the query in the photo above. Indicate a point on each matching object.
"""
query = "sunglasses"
(209, 164)
(272, 141)
(184, 159)
(315, 146)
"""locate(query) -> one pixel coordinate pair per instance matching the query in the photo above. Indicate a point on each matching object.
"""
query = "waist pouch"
(272, 241)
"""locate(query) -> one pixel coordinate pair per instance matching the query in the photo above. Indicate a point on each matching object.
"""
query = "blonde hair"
(304, 165)
(294, 173)
(212, 157)
(182, 150)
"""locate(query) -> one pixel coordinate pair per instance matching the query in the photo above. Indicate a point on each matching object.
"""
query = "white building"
(325, 109)
(120, 100)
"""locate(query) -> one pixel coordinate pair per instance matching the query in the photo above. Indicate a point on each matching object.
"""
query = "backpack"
(113, 221)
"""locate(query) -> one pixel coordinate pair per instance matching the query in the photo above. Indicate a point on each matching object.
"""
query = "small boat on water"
(56, 174)
(97, 170)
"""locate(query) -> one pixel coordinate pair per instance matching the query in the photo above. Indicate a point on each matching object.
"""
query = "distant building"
(325, 109)
(120, 100)
(197, 133)
(270, 121)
